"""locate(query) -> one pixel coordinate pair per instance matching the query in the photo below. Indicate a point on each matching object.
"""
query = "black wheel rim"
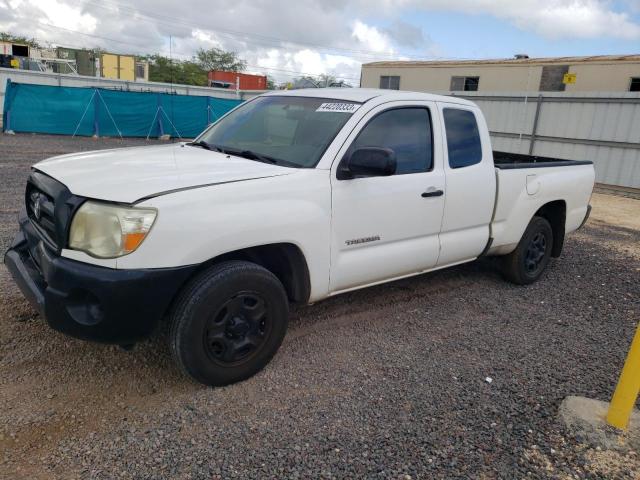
(238, 329)
(536, 252)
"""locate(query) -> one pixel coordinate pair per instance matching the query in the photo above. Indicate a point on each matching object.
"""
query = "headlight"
(108, 231)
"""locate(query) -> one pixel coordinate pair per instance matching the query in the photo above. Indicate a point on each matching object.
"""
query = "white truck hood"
(130, 174)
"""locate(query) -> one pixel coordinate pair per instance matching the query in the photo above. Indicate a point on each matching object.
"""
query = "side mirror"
(368, 162)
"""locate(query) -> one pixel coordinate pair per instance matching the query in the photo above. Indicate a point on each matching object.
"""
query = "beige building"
(610, 73)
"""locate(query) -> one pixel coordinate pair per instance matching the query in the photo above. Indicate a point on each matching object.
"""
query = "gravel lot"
(388, 382)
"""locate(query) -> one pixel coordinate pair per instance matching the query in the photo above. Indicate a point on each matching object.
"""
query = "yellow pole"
(626, 394)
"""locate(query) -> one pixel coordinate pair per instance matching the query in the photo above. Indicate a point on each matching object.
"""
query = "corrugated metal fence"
(603, 127)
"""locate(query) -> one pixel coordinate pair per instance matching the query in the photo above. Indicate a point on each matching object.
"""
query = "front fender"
(194, 226)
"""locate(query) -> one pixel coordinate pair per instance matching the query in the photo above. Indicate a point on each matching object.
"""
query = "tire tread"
(192, 293)
(512, 268)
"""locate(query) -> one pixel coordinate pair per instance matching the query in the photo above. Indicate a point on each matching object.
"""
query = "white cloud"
(371, 38)
(549, 18)
(66, 16)
(207, 39)
(572, 19)
(306, 36)
(271, 59)
(286, 65)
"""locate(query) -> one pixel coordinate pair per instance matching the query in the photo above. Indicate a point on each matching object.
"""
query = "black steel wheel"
(535, 254)
(530, 258)
(228, 323)
(238, 329)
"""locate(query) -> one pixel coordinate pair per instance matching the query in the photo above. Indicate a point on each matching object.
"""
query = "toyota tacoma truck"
(292, 197)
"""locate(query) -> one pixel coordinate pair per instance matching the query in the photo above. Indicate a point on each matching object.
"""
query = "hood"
(130, 174)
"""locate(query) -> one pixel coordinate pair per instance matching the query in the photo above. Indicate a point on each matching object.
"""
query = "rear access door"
(470, 183)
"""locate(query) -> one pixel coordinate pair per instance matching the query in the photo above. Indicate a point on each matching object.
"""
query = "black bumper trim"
(25, 280)
(92, 302)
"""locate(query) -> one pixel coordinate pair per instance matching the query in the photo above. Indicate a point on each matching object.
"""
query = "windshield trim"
(268, 95)
(337, 100)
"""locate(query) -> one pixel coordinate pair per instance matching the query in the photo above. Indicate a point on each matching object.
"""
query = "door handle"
(432, 193)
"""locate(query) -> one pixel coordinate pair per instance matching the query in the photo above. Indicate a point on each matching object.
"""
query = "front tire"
(228, 323)
(530, 258)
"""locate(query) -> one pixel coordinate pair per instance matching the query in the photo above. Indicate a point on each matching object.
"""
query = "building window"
(20, 50)
(634, 86)
(140, 71)
(465, 84)
(390, 82)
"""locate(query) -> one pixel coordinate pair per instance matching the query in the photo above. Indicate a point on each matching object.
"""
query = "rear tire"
(228, 323)
(530, 258)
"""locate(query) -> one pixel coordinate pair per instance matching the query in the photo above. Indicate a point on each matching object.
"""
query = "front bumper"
(88, 301)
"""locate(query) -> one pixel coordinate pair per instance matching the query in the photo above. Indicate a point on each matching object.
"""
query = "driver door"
(387, 227)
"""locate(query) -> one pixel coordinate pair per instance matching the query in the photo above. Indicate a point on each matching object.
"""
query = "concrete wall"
(42, 78)
(591, 77)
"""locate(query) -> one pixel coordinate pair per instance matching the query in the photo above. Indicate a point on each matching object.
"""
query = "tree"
(163, 69)
(325, 80)
(218, 59)
(10, 38)
(271, 83)
(305, 81)
(321, 81)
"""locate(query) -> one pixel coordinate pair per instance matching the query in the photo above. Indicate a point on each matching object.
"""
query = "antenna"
(171, 71)
(171, 61)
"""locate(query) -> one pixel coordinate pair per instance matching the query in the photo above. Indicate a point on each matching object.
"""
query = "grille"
(50, 206)
(40, 208)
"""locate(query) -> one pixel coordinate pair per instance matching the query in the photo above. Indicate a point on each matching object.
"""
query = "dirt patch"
(615, 210)
(610, 464)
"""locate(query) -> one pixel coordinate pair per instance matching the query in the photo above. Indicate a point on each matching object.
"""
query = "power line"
(284, 72)
(298, 73)
(276, 41)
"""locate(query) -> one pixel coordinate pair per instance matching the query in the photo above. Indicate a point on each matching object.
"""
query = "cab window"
(407, 131)
(463, 138)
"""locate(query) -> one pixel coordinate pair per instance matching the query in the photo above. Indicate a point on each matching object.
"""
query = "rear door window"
(463, 138)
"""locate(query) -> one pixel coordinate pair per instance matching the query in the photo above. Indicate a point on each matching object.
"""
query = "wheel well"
(556, 214)
(285, 260)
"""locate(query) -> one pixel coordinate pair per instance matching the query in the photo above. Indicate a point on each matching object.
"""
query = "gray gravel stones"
(387, 382)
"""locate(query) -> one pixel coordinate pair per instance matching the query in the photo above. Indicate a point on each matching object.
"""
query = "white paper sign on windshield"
(338, 107)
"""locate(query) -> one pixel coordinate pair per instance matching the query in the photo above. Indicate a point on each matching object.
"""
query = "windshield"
(290, 131)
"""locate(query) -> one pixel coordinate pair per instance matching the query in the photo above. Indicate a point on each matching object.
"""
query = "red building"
(229, 80)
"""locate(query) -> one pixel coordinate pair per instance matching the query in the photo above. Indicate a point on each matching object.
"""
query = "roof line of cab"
(363, 95)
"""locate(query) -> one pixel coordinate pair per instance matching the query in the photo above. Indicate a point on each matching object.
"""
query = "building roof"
(365, 94)
(508, 61)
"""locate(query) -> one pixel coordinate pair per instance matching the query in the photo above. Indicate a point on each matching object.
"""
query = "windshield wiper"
(251, 155)
(200, 143)
(248, 154)
(260, 157)
(208, 146)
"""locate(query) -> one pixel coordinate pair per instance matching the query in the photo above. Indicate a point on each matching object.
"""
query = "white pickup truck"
(291, 197)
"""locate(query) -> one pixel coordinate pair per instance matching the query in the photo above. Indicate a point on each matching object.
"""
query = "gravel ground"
(455, 374)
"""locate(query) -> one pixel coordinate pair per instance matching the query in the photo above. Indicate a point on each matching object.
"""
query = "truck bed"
(525, 183)
(506, 160)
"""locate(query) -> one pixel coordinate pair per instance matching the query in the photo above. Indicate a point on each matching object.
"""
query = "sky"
(286, 39)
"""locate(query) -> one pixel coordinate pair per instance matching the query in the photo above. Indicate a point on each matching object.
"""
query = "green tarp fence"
(108, 113)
